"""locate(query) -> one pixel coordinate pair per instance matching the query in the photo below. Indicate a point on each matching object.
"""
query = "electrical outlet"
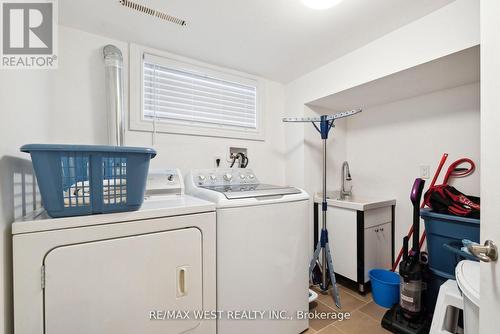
(425, 172)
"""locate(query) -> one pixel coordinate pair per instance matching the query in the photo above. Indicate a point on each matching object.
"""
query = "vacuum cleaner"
(410, 316)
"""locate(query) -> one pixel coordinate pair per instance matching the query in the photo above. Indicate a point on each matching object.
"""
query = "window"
(178, 96)
(185, 96)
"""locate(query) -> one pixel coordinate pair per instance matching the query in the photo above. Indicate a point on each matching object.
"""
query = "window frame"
(137, 121)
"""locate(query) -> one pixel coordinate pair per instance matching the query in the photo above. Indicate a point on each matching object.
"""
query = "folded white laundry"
(114, 191)
(114, 200)
(109, 185)
(76, 201)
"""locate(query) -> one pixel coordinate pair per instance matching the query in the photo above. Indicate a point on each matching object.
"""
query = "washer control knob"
(251, 176)
(243, 176)
(228, 176)
(213, 177)
(170, 177)
(201, 178)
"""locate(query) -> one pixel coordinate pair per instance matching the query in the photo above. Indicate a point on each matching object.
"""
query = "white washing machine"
(262, 254)
(118, 273)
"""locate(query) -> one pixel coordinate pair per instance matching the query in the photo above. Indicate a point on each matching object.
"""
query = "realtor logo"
(28, 34)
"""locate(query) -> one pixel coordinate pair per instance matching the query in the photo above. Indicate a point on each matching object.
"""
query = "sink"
(355, 202)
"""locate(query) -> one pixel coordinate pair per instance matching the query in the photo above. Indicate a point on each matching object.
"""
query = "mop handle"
(410, 233)
(436, 175)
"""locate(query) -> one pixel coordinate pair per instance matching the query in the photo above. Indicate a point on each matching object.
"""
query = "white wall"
(386, 145)
(448, 30)
(67, 105)
(24, 107)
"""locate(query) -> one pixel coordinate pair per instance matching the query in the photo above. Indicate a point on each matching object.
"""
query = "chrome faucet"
(346, 177)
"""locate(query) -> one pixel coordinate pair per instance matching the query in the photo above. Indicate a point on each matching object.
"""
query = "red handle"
(454, 171)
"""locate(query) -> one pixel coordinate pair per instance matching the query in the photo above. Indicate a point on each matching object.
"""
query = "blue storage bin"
(77, 180)
(445, 230)
(436, 279)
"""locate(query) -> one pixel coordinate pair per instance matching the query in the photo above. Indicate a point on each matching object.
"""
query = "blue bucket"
(385, 287)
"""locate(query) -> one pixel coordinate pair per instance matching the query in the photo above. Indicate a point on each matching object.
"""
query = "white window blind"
(176, 94)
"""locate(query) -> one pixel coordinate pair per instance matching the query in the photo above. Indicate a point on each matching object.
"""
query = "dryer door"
(112, 286)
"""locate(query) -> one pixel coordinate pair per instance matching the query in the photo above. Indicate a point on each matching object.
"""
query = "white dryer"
(262, 254)
(118, 273)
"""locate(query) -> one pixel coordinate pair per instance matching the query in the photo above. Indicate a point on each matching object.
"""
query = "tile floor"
(365, 314)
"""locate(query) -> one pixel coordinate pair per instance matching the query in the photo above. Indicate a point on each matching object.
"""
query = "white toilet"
(467, 275)
(462, 294)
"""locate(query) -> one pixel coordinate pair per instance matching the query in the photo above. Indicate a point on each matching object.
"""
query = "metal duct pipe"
(113, 62)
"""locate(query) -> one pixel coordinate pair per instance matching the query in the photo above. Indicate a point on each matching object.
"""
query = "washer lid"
(467, 274)
(252, 190)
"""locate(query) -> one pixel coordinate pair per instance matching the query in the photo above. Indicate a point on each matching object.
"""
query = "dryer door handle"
(182, 287)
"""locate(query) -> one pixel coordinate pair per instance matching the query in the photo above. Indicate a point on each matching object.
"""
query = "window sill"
(196, 130)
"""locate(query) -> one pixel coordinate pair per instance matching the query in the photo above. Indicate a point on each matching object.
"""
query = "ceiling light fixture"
(321, 4)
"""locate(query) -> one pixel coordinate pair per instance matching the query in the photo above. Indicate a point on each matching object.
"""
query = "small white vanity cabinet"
(361, 235)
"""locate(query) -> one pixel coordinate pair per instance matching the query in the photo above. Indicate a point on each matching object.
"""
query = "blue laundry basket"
(77, 180)
(385, 287)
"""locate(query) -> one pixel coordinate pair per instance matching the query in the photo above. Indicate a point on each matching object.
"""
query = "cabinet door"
(384, 246)
(371, 250)
(111, 286)
(341, 225)
(377, 248)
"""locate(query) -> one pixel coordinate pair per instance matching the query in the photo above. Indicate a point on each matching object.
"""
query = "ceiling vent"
(153, 12)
